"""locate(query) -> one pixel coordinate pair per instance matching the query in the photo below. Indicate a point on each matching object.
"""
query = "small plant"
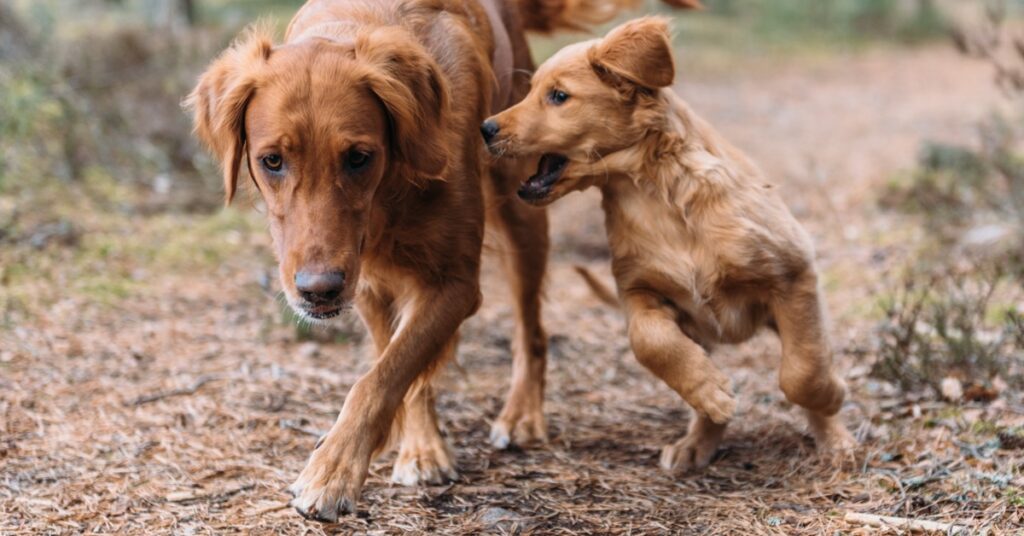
(951, 324)
(957, 186)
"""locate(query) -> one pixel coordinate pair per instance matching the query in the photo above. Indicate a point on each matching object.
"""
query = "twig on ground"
(146, 399)
(188, 496)
(271, 508)
(912, 525)
(291, 424)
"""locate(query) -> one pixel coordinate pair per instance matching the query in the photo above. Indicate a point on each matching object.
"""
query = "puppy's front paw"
(714, 398)
(331, 482)
(424, 463)
(689, 454)
(519, 428)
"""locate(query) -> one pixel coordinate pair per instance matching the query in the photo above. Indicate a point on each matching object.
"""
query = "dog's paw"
(714, 398)
(519, 428)
(319, 501)
(830, 436)
(330, 484)
(424, 464)
(689, 454)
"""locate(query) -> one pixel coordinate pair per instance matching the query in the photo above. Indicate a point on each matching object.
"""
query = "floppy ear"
(410, 85)
(639, 51)
(219, 100)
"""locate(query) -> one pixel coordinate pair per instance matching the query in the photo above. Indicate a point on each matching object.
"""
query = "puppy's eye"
(357, 160)
(557, 96)
(273, 163)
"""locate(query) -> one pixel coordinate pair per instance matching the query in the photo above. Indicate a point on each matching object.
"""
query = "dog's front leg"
(807, 375)
(333, 478)
(684, 366)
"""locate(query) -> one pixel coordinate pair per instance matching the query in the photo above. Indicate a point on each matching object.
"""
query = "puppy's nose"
(489, 130)
(320, 288)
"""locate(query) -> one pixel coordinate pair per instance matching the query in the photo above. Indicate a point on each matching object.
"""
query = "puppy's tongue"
(549, 170)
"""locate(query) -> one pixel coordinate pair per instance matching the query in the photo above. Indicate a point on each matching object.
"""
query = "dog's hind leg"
(423, 454)
(524, 251)
(807, 376)
(683, 364)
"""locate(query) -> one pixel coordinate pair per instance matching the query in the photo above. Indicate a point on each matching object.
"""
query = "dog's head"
(589, 100)
(323, 127)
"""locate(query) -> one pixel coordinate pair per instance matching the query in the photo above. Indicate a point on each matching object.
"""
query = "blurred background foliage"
(90, 89)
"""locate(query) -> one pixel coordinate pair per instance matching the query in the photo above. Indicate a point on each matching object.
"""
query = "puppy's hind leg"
(681, 363)
(524, 252)
(696, 449)
(807, 376)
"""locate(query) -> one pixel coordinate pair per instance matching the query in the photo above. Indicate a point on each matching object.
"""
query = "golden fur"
(360, 132)
(703, 249)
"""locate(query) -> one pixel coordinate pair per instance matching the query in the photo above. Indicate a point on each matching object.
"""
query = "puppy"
(703, 250)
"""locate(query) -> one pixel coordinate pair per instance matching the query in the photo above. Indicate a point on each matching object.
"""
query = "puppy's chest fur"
(717, 270)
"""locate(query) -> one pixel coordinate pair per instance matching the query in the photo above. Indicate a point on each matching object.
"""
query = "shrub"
(106, 98)
(959, 324)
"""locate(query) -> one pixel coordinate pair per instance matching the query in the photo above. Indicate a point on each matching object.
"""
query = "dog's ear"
(220, 98)
(410, 85)
(638, 52)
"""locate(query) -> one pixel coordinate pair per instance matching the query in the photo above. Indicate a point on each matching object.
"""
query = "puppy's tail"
(580, 15)
(602, 291)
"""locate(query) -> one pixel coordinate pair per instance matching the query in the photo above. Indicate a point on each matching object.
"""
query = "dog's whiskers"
(499, 149)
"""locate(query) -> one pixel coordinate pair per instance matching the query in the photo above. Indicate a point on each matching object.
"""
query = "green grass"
(115, 252)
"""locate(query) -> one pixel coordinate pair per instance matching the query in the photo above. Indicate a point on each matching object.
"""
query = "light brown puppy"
(703, 250)
(361, 133)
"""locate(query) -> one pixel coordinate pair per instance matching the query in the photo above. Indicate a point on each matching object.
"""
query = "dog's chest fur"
(711, 270)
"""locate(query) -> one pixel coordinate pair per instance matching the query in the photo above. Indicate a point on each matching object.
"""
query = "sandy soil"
(187, 407)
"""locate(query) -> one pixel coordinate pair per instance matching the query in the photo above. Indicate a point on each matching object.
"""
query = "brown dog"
(703, 250)
(361, 133)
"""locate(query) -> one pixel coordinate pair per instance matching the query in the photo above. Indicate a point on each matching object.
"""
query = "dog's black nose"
(320, 288)
(489, 129)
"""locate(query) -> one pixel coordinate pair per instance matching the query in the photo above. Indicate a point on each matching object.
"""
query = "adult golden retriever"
(703, 249)
(361, 131)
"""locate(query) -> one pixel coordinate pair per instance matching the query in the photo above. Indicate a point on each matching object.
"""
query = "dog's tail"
(602, 291)
(580, 15)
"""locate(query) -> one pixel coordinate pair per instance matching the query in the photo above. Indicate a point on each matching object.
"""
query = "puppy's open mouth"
(549, 170)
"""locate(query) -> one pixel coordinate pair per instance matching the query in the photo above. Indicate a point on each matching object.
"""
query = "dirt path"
(189, 407)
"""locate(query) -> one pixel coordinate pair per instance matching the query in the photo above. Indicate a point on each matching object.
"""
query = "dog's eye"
(273, 162)
(557, 96)
(356, 160)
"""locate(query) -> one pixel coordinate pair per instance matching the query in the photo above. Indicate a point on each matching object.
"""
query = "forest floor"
(150, 382)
